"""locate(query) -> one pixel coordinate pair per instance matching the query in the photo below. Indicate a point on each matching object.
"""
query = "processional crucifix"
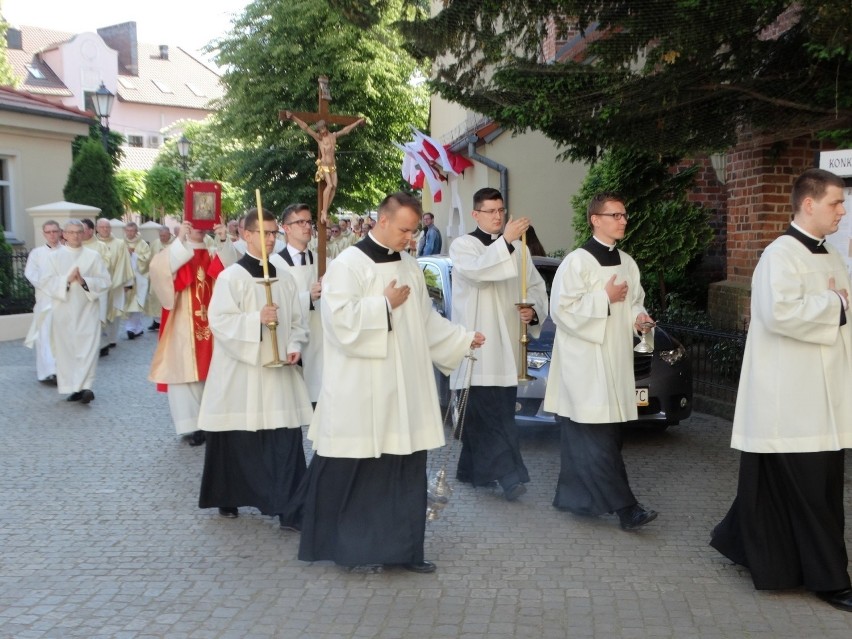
(326, 176)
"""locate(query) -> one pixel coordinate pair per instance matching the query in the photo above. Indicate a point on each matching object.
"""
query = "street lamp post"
(183, 147)
(102, 101)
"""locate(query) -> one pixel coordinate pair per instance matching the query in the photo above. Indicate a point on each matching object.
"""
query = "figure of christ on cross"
(326, 179)
(326, 166)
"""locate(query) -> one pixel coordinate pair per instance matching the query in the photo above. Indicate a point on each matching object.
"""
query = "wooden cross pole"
(322, 113)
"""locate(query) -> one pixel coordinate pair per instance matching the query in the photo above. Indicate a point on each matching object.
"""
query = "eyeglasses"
(333, 231)
(298, 223)
(265, 233)
(501, 211)
(615, 216)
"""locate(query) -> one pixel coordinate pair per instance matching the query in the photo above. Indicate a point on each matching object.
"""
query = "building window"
(135, 140)
(162, 86)
(127, 83)
(198, 91)
(5, 196)
(35, 72)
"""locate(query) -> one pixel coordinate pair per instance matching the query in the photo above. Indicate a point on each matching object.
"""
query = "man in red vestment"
(182, 277)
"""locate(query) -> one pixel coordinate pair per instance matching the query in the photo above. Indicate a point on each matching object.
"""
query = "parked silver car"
(663, 378)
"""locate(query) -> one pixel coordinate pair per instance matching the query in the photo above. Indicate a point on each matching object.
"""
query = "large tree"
(273, 58)
(673, 77)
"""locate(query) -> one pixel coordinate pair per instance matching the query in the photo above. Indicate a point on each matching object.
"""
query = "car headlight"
(535, 361)
(673, 356)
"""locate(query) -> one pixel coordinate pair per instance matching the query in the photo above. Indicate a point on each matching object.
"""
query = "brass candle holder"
(523, 375)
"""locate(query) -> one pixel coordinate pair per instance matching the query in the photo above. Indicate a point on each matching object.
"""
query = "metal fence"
(716, 357)
(16, 293)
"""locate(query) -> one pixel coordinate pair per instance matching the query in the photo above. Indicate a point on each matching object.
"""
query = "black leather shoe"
(86, 396)
(104, 351)
(112, 344)
(196, 438)
(636, 516)
(155, 326)
(423, 567)
(229, 513)
(74, 397)
(840, 599)
(514, 492)
(131, 335)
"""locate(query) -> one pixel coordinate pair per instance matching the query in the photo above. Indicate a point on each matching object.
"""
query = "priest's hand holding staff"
(515, 230)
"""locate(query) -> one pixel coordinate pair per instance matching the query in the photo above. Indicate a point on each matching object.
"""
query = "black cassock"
(786, 522)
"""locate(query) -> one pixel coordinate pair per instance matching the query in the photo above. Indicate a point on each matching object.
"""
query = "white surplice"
(591, 376)
(241, 393)
(486, 287)
(38, 336)
(306, 276)
(795, 394)
(378, 394)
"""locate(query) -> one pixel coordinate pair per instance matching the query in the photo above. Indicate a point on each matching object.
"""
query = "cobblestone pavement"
(101, 536)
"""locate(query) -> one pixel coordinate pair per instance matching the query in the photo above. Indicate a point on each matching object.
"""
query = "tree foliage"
(91, 180)
(130, 184)
(212, 156)
(674, 77)
(273, 59)
(7, 74)
(164, 190)
(666, 232)
(114, 142)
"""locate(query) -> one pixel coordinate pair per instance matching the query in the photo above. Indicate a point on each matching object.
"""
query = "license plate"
(641, 396)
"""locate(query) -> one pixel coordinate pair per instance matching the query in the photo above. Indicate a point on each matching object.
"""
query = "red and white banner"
(428, 161)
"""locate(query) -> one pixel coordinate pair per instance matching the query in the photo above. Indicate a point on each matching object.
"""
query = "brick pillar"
(759, 179)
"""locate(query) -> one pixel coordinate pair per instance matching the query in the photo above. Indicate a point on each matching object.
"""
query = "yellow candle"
(524, 267)
(262, 231)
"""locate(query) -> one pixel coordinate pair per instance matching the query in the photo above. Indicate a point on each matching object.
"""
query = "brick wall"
(759, 180)
(712, 195)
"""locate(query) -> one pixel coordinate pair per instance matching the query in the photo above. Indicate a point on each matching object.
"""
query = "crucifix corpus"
(326, 176)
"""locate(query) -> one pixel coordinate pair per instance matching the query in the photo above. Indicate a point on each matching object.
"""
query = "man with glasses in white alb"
(487, 269)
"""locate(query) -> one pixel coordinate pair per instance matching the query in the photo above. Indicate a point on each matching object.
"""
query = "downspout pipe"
(504, 171)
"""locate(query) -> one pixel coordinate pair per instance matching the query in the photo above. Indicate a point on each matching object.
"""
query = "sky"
(189, 25)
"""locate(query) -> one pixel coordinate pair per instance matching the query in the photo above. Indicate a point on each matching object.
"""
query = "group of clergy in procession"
(253, 345)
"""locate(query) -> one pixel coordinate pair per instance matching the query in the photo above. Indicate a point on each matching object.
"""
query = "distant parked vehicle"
(663, 378)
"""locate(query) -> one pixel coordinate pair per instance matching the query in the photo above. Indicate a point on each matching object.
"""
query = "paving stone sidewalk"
(101, 537)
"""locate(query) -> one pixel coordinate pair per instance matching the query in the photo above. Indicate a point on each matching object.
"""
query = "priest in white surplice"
(487, 271)
(365, 493)
(75, 278)
(117, 257)
(136, 293)
(596, 302)
(39, 333)
(301, 261)
(252, 414)
(793, 417)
